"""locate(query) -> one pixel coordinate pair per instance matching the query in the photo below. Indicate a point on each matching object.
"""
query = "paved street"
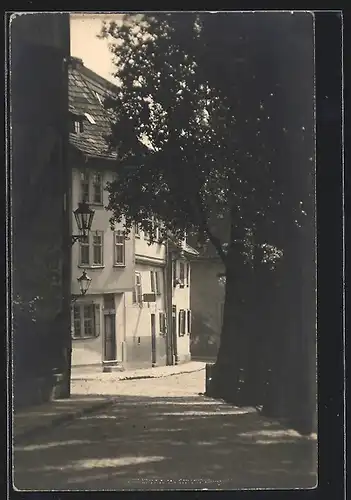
(161, 434)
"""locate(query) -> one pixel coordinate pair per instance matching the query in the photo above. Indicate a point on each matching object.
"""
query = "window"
(77, 125)
(137, 230)
(155, 282)
(189, 320)
(92, 249)
(84, 259)
(91, 187)
(188, 274)
(98, 248)
(84, 186)
(152, 279)
(86, 320)
(162, 322)
(138, 291)
(181, 323)
(119, 250)
(97, 188)
(181, 273)
(76, 321)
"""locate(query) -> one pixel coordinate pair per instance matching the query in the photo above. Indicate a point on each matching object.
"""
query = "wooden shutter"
(189, 321)
(97, 319)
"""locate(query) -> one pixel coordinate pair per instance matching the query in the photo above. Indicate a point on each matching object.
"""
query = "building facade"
(123, 321)
(207, 303)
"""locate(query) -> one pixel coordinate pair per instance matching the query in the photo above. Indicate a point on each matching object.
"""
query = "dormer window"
(77, 124)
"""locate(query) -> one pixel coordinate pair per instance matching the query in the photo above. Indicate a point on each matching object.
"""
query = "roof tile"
(85, 95)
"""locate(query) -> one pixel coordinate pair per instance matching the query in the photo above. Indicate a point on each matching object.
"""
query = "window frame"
(119, 233)
(77, 124)
(152, 282)
(89, 197)
(84, 181)
(90, 237)
(84, 243)
(93, 175)
(137, 275)
(100, 245)
(94, 319)
(181, 323)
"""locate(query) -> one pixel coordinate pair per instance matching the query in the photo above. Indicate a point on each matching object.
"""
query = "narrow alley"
(163, 434)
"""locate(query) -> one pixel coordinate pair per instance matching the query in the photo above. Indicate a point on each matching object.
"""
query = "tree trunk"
(231, 364)
(292, 391)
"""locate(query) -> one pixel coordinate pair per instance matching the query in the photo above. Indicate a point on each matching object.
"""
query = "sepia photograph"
(163, 220)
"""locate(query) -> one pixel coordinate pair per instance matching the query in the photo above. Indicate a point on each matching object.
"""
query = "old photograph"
(164, 250)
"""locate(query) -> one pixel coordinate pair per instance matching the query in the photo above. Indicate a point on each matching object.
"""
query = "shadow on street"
(166, 443)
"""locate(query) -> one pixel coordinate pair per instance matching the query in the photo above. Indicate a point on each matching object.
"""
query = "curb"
(164, 375)
(122, 378)
(60, 420)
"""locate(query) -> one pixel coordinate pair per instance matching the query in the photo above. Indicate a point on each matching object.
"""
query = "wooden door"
(110, 337)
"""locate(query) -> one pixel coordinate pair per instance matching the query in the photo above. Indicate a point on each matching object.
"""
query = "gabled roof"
(86, 93)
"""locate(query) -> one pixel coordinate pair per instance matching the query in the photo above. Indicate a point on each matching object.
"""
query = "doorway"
(110, 337)
(109, 328)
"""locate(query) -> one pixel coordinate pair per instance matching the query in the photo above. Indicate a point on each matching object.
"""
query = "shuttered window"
(181, 323)
(189, 320)
(119, 248)
(86, 321)
(138, 291)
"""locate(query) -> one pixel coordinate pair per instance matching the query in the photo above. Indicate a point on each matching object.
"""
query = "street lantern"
(84, 282)
(84, 216)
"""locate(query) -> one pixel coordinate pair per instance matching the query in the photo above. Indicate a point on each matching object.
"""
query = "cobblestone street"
(161, 434)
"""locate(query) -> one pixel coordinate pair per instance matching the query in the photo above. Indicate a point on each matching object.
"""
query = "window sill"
(119, 266)
(83, 266)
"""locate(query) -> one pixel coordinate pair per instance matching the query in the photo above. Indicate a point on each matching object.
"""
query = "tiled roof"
(86, 93)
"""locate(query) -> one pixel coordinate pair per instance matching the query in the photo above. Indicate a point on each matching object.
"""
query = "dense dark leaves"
(201, 127)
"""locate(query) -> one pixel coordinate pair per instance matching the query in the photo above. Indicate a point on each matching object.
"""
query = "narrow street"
(161, 434)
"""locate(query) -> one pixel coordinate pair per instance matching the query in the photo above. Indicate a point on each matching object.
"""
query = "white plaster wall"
(106, 279)
(138, 323)
(154, 251)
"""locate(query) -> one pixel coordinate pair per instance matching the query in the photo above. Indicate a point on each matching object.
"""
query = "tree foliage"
(213, 125)
(194, 148)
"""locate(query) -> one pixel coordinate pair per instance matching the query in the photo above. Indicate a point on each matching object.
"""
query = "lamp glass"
(84, 216)
(84, 283)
